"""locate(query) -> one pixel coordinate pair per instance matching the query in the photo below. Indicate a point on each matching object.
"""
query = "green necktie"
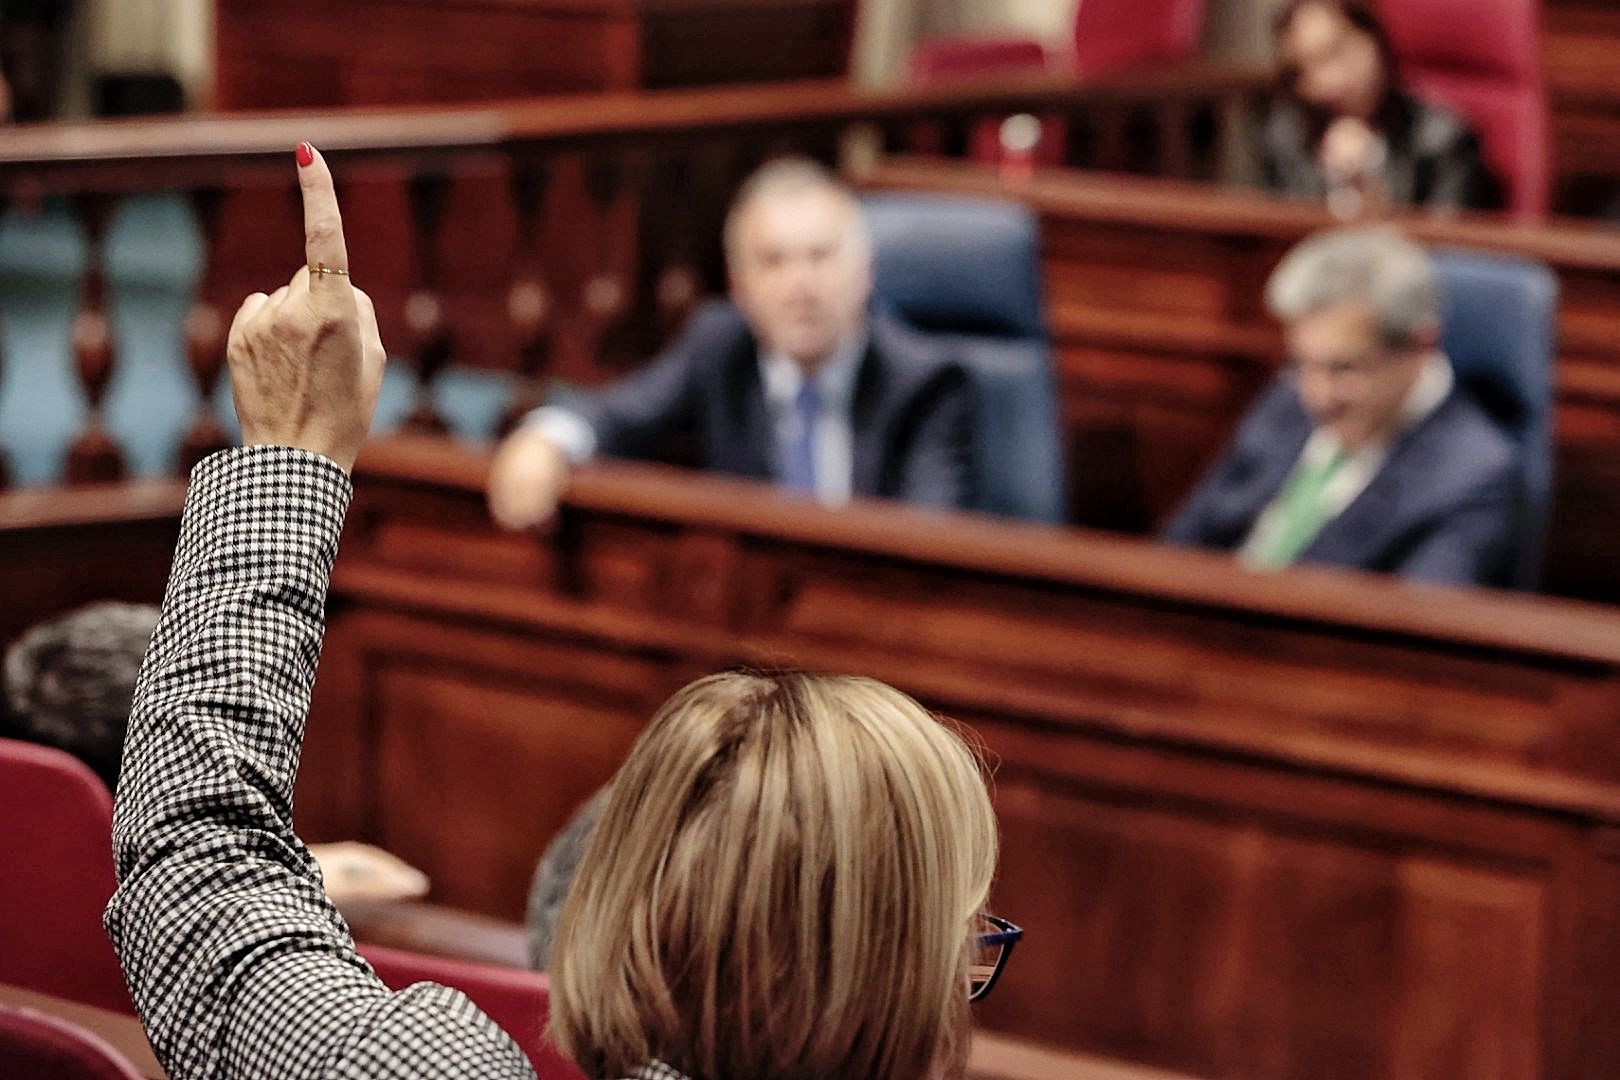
(1301, 513)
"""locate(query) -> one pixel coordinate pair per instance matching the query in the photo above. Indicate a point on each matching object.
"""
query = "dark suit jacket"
(912, 410)
(1445, 505)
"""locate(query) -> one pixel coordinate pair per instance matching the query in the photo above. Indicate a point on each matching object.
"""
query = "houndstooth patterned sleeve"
(238, 964)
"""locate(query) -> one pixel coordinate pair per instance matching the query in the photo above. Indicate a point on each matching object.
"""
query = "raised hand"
(526, 480)
(307, 360)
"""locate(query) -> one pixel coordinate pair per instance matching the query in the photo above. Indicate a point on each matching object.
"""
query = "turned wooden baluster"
(607, 298)
(671, 281)
(205, 333)
(5, 469)
(717, 168)
(94, 457)
(1113, 137)
(1173, 119)
(530, 304)
(430, 340)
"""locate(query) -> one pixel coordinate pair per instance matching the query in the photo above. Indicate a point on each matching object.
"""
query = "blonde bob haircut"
(783, 886)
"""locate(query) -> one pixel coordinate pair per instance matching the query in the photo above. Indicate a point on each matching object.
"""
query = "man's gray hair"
(69, 682)
(1376, 265)
(788, 176)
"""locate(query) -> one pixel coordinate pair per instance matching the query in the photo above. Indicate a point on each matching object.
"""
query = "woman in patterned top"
(1346, 130)
(788, 881)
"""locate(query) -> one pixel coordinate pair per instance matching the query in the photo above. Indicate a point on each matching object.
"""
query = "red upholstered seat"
(1483, 58)
(949, 60)
(519, 1001)
(1116, 35)
(1109, 36)
(33, 1044)
(56, 876)
(945, 59)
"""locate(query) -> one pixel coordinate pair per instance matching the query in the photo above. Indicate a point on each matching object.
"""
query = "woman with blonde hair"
(787, 883)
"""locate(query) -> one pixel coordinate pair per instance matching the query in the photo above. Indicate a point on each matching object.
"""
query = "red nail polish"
(305, 154)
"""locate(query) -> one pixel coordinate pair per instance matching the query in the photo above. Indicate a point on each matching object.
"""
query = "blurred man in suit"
(1366, 453)
(793, 381)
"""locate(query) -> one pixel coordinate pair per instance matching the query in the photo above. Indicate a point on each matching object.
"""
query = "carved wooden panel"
(301, 55)
(475, 749)
(1306, 825)
(62, 549)
(1580, 37)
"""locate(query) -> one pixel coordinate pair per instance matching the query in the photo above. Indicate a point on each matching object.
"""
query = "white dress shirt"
(1430, 389)
(782, 377)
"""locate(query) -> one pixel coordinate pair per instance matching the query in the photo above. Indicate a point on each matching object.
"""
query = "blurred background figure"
(1347, 130)
(69, 682)
(555, 874)
(1366, 453)
(792, 381)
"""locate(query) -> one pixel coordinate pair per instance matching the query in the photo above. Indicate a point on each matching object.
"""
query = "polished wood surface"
(62, 549)
(1302, 825)
(300, 54)
(995, 1057)
(1579, 47)
(99, 155)
(122, 1033)
(1155, 290)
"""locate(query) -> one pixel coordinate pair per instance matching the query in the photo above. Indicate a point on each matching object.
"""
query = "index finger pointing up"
(323, 225)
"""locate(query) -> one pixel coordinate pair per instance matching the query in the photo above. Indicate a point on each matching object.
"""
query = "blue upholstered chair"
(968, 271)
(1499, 320)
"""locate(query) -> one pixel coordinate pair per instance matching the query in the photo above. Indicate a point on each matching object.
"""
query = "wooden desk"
(62, 549)
(301, 54)
(995, 1057)
(1156, 297)
(1308, 825)
(123, 1033)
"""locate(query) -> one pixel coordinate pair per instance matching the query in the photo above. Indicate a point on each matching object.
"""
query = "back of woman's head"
(782, 887)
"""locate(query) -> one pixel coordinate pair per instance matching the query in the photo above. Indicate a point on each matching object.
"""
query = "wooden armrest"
(439, 931)
(997, 1057)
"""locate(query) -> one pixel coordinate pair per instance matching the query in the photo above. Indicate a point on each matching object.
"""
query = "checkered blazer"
(238, 964)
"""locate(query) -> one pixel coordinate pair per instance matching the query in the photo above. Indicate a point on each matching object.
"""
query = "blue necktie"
(799, 461)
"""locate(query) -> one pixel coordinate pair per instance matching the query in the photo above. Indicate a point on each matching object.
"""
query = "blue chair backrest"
(966, 272)
(1499, 326)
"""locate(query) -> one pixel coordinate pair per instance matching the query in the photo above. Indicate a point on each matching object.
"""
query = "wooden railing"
(552, 237)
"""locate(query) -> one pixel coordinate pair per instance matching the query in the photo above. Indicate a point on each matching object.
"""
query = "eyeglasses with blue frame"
(995, 945)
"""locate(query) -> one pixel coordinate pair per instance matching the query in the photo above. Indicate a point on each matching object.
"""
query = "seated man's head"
(786, 881)
(69, 682)
(800, 259)
(1361, 313)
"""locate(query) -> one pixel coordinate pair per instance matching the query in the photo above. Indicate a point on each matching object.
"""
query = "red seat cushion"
(33, 1044)
(519, 1001)
(1483, 59)
(56, 876)
(1115, 35)
(1109, 36)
